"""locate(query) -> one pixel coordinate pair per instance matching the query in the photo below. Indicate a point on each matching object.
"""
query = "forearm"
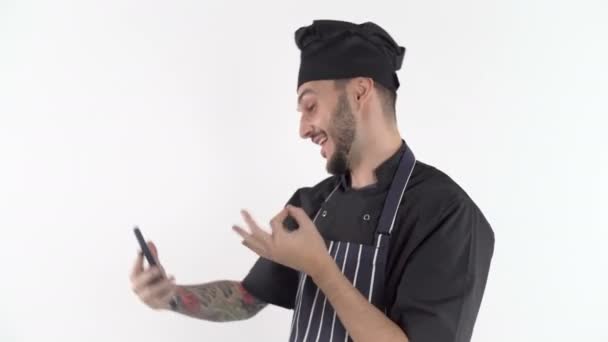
(362, 320)
(218, 301)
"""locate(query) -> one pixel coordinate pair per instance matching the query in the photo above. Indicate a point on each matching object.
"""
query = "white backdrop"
(174, 115)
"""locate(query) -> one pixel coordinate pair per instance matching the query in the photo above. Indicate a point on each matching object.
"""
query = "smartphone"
(144, 247)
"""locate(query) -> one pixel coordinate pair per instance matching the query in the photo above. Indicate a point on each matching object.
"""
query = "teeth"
(320, 141)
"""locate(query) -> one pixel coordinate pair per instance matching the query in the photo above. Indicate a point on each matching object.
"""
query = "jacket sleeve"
(440, 291)
(271, 282)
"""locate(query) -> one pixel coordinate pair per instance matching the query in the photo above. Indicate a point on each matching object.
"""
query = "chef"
(387, 248)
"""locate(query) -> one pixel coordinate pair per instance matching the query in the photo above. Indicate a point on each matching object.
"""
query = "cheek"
(327, 124)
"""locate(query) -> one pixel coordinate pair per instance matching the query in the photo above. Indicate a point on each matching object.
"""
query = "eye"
(311, 107)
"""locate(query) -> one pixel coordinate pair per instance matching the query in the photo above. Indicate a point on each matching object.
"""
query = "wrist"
(174, 303)
(326, 267)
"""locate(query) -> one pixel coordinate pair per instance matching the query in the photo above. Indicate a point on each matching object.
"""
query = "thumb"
(153, 250)
(277, 223)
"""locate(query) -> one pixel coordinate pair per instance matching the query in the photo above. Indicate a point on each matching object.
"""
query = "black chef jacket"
(439, 254)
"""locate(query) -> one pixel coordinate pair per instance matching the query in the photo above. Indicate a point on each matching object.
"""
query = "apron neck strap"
(395, 193)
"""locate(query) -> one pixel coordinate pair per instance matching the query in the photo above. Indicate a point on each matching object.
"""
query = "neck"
(371, 153)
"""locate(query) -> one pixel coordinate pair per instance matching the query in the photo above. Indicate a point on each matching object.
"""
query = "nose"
(306, 128)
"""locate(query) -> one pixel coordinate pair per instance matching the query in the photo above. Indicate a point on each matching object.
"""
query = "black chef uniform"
(424, 263)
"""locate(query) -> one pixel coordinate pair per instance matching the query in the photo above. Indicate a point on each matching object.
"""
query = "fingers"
(145, 278)
(256, 232)
(256, 248)
(138, 266)
(159, 294)
(152, 288)
(298, 214)
(260, 242)
(151, 285)
(245, 235)
(250, 241)
(154, 251)
(154, 292)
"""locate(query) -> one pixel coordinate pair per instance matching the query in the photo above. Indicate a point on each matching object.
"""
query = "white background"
(174, 115)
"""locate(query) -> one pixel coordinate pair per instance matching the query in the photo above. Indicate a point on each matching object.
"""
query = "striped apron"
(364, 265)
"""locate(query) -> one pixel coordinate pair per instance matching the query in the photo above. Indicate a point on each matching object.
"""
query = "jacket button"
(324, 213)
(366, 217)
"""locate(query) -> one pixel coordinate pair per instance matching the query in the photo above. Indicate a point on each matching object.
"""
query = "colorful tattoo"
(219, 301)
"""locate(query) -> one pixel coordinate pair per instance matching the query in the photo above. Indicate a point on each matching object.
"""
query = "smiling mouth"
(320, 140)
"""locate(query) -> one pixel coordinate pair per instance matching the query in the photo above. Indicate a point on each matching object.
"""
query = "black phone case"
(144, 247)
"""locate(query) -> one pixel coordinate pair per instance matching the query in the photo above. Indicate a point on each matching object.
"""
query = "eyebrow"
(307, 91)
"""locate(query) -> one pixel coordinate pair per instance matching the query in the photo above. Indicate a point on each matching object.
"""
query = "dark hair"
(388, 97)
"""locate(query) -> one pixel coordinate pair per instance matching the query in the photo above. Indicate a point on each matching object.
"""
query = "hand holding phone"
(151, 258)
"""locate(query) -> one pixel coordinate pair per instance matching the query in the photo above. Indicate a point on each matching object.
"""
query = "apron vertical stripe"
(357, 269)
(351, 264)
(345, 256)
(321, 321)
(314, 301)
(333, 322)
(343, 265)
(297, 312)
(371, 286)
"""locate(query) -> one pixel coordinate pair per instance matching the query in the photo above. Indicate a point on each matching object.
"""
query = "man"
(387, 248)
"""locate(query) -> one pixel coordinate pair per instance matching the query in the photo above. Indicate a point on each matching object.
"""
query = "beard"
(342, 131)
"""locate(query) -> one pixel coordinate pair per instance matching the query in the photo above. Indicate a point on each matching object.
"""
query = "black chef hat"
(333, 49)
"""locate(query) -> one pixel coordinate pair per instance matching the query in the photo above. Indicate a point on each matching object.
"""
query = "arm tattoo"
(219, 301)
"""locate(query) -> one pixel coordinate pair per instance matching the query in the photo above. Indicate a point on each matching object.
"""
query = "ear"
(362, 88)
